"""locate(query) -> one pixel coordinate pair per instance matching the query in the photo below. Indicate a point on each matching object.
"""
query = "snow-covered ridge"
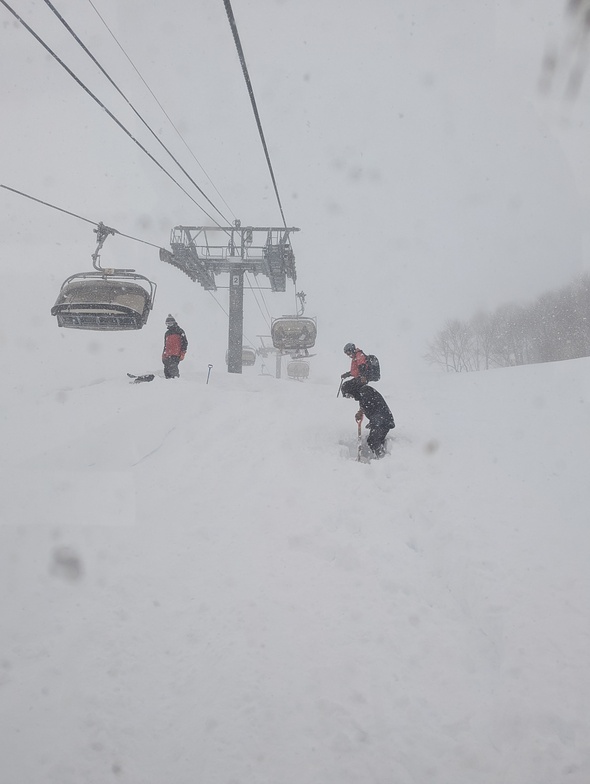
(199, 582)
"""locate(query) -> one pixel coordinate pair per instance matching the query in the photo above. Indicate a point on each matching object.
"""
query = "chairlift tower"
(204, 252)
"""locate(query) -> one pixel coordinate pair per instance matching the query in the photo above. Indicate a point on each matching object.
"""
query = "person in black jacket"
(373, 406)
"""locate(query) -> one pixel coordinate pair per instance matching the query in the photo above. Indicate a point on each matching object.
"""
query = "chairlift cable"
(263, 300)
(136, 239)
(47, 204)
(218, 303)
(180, 136)
(74, 215)
(186, 145)
(236, 36)
(99, 102)
(257, 302)
(122, 94)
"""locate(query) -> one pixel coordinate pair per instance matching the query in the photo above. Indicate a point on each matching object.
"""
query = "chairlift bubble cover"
(298, 369)
(290, 333)
(248, 357)
(107, 303)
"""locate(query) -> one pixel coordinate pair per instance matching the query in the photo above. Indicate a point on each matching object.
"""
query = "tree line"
(554, 327)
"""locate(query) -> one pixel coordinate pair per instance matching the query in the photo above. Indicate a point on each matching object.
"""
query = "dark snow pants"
(171, 367)
(376, 439)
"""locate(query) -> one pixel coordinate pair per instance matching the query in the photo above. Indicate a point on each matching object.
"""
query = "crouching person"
(373, 406)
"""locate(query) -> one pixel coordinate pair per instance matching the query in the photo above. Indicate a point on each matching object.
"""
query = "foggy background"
(200, 580)
(430, 175)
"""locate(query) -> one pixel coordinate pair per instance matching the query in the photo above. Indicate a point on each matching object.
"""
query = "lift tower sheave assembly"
(203, 252)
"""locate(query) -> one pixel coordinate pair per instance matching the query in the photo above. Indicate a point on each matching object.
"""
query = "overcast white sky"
(429, 175)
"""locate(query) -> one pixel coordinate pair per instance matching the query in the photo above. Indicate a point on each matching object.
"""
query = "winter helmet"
(349, 348)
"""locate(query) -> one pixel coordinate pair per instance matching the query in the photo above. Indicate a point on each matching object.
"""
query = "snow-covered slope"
(200, 584)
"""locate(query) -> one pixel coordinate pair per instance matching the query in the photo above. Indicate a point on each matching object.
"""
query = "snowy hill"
(200, 584)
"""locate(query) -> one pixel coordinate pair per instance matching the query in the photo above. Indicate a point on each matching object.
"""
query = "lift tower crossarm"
(203, 252)
(229, 229)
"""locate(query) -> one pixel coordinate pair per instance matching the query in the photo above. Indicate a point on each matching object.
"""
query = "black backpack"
(373, 370)
(183, 340)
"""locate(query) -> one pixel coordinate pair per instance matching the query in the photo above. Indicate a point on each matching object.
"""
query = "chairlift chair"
(298, 369)
(293, 333)
(104, 301)
(248, 357)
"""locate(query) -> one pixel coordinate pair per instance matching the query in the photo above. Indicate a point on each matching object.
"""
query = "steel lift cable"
(257, 302)
(234, 29)
(178, 133)
(218, 303)
(80, 217)
(261, 290)
(102, 106)
(128, 102)
(236, 36)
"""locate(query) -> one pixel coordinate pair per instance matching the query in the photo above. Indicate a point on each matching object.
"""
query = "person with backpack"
(373, 406)
(175, 346)
(358, 362)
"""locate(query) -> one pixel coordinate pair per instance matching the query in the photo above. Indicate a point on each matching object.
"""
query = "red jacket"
(358, 364)
(174, 342)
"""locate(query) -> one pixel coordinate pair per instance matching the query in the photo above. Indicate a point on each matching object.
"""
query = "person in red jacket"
(358, 364)
(175, 346)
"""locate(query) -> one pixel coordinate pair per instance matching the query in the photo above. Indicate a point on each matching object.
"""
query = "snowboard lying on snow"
(139, 379)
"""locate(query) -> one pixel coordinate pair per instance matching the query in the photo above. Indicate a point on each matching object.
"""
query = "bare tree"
(453, 347)
(554, 327)
(483, 335)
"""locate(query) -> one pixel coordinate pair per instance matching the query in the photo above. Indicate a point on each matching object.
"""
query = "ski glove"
(345, 375)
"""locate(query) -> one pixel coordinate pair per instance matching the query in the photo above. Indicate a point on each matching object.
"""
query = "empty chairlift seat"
(292, 333)
(298, 369)
(99, 301)
(248, 357)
